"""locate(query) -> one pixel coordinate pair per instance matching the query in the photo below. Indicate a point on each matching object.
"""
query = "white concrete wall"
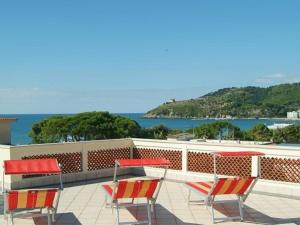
(269, 186)
(269, 150)
(5, 134)
(4, 155)
(17, 152)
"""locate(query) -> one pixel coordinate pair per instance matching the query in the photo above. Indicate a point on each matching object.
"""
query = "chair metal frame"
(150, 202)
(115, 204)
(51, 212)
(209, 199)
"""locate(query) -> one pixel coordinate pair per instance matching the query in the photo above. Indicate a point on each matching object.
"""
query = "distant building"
(293, 114)
(278, 126)
(170, 101)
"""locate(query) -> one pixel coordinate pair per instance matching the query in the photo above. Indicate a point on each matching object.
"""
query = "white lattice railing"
(189, 161)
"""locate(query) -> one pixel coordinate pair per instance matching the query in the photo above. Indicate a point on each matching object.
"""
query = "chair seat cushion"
(132, 189)
(203, 187)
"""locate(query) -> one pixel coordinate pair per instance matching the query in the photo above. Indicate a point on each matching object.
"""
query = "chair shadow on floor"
(65, 218)
(161, 215)
(42, 219)
(252, 215)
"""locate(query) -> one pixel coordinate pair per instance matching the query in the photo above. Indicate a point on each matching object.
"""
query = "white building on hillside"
(293, 114)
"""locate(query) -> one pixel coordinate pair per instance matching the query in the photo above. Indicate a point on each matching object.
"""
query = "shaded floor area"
(84, 203)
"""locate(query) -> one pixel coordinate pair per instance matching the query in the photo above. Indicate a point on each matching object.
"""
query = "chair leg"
(152, 204)
(49, 217)
(112, 204)
(106, 201)
(241, 208)
(11, 218)
(149, 212)
(117, 213)
(212, 213)
(207, 202)
(54, 211)
(53, 215)
(154, 212)
(212, 209)
(5, 216)
(5, 210)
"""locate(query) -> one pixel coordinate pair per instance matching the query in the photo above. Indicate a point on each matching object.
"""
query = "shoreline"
(214, 118)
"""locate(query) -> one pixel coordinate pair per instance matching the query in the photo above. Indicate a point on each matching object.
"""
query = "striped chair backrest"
(237, 185)
(136, 189)
(30, 199)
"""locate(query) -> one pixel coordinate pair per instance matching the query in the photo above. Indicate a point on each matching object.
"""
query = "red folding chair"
(238, 186)
(28, 199)
(124, 189)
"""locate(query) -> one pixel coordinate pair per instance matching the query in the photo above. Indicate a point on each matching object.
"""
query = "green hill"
(274, 101)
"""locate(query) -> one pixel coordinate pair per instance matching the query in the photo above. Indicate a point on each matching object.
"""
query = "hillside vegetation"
(246, 102)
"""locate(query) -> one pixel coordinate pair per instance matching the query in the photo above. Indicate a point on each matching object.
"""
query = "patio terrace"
(86, 165)
(83, 203)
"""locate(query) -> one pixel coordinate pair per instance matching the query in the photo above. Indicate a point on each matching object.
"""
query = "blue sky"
(130, 56)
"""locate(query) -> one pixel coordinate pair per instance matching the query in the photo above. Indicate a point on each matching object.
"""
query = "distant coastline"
(280, 102)
(22, 126)
(217, 118)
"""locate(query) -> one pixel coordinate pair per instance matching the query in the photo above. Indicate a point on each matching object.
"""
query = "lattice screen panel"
(70, 162)
(103, 159)
(280, 169)
(203, 162)
(174, 156)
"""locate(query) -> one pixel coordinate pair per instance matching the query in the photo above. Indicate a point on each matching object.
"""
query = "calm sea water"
(22, 126)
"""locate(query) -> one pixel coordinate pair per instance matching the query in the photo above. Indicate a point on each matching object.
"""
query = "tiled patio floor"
(83, 203)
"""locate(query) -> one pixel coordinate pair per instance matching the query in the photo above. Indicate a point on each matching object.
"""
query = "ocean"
(22, 126)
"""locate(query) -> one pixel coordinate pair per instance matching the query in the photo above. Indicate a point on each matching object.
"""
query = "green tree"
(54, 129)
(205, 131)
(156, 132)
(219, 129)
(291, 134)
(175, 131)
(126, 127)
(84, 126)
(260, 132)
(278, 136)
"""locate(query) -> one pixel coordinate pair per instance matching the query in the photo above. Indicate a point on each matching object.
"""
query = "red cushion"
(32, 166)
(142, 162)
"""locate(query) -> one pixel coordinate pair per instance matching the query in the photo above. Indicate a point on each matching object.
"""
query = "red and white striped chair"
(238, 186)
(131, 190)
(28, 199)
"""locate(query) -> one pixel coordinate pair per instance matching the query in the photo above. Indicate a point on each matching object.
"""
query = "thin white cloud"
(39, 100)
(26, 93)
(277, 78)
